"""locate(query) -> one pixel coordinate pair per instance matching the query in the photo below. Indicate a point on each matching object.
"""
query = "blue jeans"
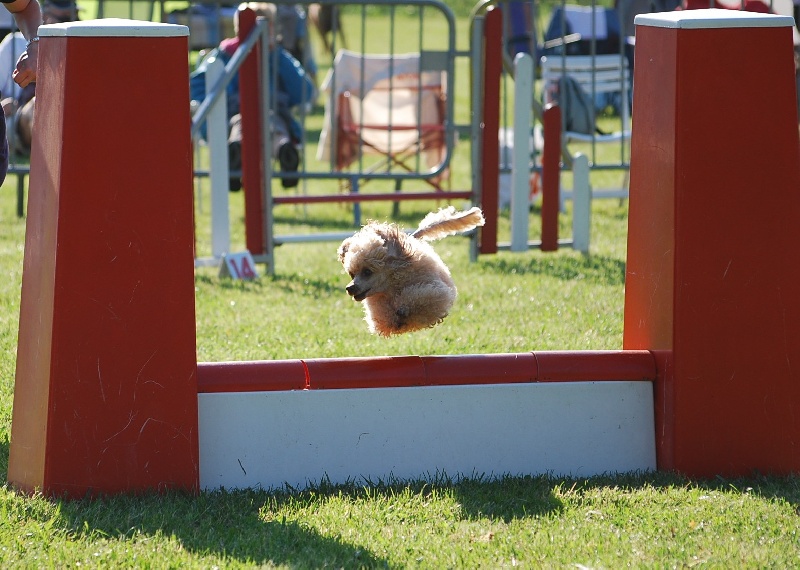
(3, 147)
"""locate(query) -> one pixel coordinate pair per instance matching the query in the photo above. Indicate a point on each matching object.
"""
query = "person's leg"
(3, 148)
(284, 150)
(235, 152)
(24, 121)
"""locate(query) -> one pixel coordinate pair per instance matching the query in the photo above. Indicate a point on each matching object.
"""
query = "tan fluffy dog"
(404, 284)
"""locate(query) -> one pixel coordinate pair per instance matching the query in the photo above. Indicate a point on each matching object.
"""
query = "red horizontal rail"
(261, 376)
(355, 197)
(568, 366)
(392, 87)
(406, 371)
(427, 127)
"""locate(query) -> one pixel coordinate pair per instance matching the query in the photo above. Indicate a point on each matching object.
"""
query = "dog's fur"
(403, 283)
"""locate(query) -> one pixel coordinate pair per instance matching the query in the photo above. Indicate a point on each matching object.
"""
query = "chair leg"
(398, 187)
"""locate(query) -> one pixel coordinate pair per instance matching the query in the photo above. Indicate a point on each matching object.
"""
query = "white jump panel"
(268, 439)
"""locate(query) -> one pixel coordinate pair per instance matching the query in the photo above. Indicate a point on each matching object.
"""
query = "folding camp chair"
(383, 115)
(598, 75)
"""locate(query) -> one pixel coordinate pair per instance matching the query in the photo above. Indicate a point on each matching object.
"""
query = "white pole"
(217, 136)
(581, 203)
(520, 162)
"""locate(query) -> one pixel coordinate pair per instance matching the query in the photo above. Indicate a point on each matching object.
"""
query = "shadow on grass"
(257, 527)
(594, 269)
(253, 526)
(407, 214)
(326, 225)
(238, 525)
(293, 282)
(290, 282)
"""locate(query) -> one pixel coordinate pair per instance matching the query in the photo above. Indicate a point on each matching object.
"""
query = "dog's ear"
(394, 240)
(342, 251)
(394, 247)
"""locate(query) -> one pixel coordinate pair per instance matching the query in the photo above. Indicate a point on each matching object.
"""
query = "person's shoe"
(289, 160)
(235, 165)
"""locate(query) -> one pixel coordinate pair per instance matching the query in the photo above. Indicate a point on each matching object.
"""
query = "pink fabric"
(229, 45)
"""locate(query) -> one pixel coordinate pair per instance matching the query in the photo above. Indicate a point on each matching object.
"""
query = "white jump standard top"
(113, 27)
(712, 18)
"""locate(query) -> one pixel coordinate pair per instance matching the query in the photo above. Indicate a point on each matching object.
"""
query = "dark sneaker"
(235, 165)
(289, 160)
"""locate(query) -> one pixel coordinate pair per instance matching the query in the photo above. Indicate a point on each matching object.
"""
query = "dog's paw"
(401, 317)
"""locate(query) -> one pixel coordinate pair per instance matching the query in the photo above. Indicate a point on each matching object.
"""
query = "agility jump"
(109, 396)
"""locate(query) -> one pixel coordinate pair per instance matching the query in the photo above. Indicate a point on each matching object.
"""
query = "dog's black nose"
(351, 289)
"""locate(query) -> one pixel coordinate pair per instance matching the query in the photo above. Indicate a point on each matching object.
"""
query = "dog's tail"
(447, 222)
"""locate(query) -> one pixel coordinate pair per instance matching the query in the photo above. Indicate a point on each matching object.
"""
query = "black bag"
(577, 108)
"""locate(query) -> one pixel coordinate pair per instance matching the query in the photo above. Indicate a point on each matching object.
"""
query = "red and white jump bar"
(297, 422)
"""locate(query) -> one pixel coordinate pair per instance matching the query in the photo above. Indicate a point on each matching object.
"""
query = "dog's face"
(372, 258)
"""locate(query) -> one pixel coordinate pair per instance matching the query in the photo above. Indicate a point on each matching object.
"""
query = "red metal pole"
(551, 156)
(356, 198)
(250, 109)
